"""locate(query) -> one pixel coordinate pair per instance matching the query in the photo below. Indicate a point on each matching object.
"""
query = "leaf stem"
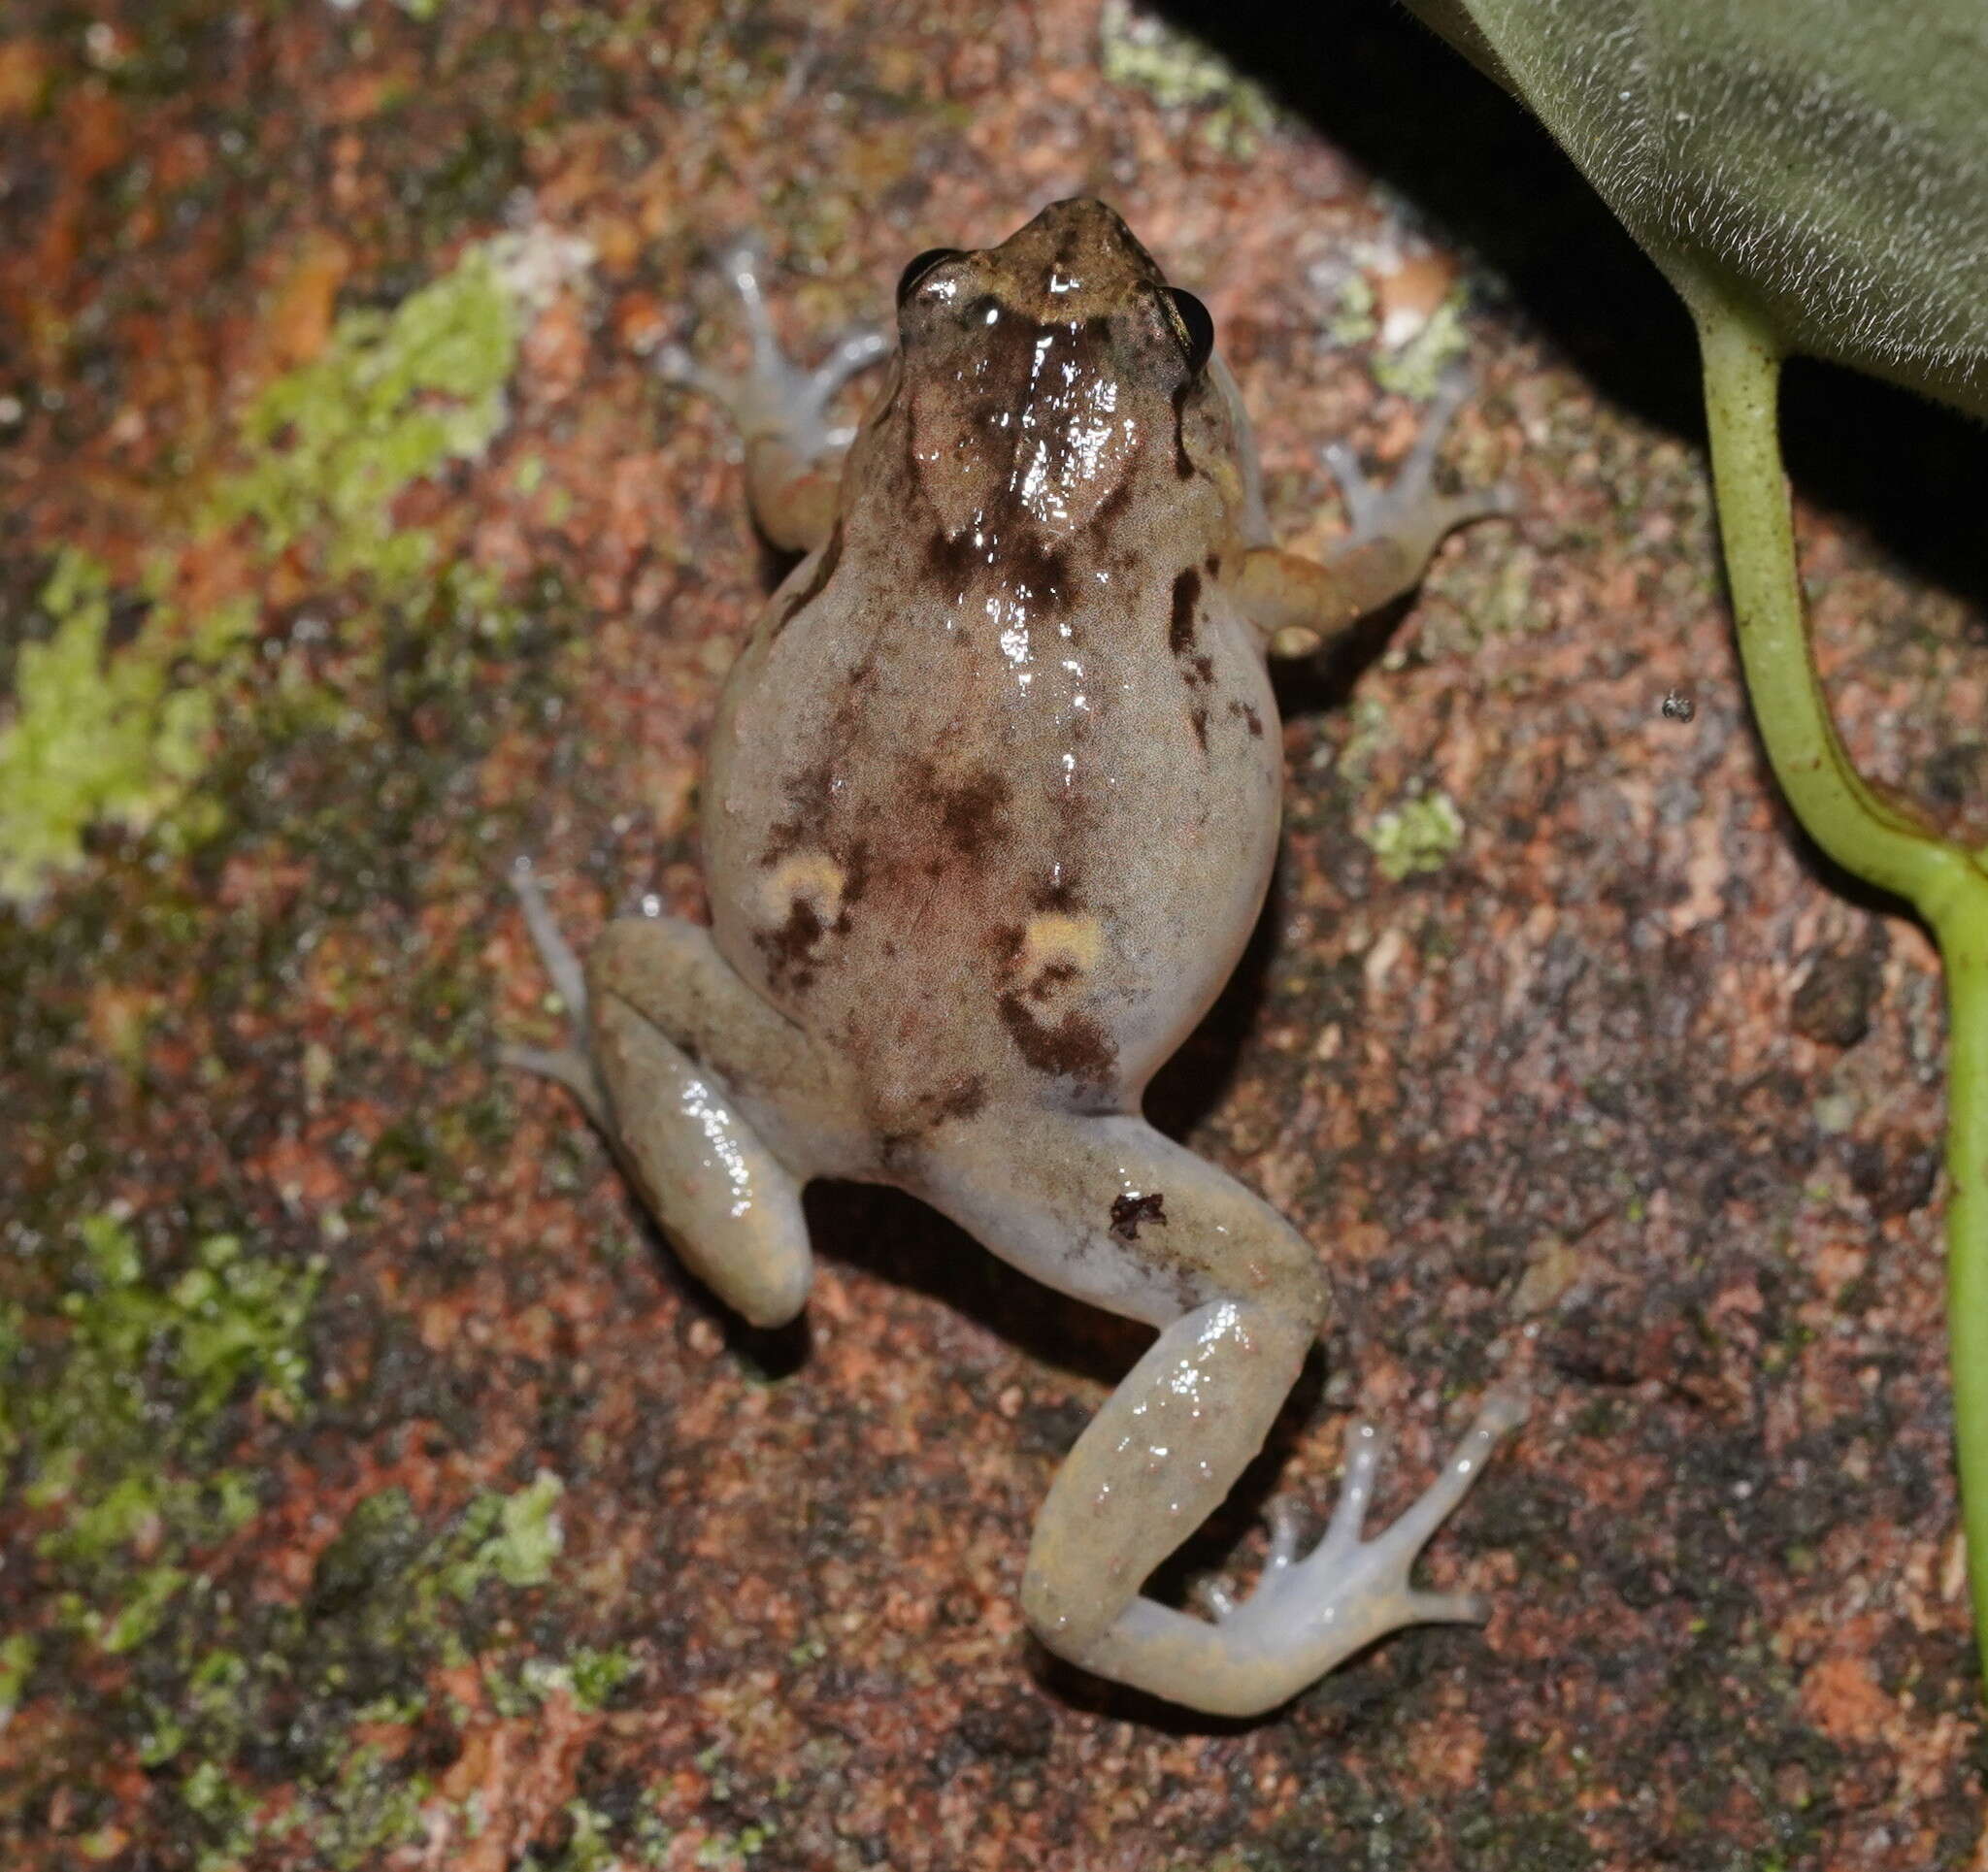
(1878, 841)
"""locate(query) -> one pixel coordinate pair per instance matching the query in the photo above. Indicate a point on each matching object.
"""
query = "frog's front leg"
(1300, 605)
(1109, 1210)
(793, 455)
(687, 1073)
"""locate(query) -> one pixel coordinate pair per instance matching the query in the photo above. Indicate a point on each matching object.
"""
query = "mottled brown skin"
(1010, 689)
(992, 807)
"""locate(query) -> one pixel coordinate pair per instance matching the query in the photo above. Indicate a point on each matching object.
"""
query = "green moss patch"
(1417, 836)
(130, 1417)
(124, 735)
(115, 1427)
(97, 736)
(394, 398)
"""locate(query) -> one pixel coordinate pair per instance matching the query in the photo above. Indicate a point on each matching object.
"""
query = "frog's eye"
(1198, 325)
(907, 281)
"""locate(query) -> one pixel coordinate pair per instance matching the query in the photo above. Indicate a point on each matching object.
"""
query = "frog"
(992, 803)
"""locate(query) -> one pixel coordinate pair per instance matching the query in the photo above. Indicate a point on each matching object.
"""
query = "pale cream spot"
(1053, 937)
(811, 877)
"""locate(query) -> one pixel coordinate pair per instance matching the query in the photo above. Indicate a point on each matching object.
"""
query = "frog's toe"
(572, 1064)
(1451, 390)
(1410, 508)
(856, 351)
(1448, 1608)
(569, 979)
(1348, 1590)
(1215, 1598)
(675, 365)
(1399, 1545)
(1285, 1536)
(1286, 1542)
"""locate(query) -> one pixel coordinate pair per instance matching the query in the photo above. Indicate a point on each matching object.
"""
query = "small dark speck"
(963, 1098)
(1833, 1004)
(1057, 893)
(1678, 708)
(1180, 623)
(1895, 1173)
(1129, 1211)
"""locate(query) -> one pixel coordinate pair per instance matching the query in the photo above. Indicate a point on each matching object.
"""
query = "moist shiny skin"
(993, 805)
(1004, 742)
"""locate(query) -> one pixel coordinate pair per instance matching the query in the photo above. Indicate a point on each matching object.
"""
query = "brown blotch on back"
(1180, 623)
(1129, 1211)
(1110, 510)
(1020, 563)
(961, 1098)
(1027, 563)
(1075, 1047)
(789, 950)
(971, 812)
(1247, 710)
(953, 556)
(1197, 718)
(856, 881)
(1058, 896)
(808, 794)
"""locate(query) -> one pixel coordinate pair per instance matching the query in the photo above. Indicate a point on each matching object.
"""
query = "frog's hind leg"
(667, 1042)
(1109, 1210)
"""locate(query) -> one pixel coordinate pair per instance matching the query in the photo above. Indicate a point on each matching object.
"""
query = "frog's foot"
(571, 1065)
(1301, 605)
(1307, 1615)
(1408, 514)
(1348, 1591)
(773, 399)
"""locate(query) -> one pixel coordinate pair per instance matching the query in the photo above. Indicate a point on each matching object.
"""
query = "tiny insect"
(1678, 708)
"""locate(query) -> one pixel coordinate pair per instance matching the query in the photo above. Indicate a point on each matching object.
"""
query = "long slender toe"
(1285, 1538)
(1428, 1512)
(1215, 1600)
(1365, 1446)
(1447, 1608)
(569, 979)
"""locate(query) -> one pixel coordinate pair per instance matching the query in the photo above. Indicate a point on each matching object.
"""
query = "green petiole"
(1868, 834)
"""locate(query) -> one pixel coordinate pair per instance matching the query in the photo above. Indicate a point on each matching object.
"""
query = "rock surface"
(381, 1493)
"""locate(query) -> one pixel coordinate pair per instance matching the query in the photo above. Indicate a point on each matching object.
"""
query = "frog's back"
(994, 786)
(986, 855)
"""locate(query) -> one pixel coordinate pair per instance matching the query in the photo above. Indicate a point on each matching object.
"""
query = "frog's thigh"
(675, 1035)
(1110, 1211)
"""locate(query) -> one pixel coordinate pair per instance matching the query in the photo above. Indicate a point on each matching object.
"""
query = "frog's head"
(1051, 386)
